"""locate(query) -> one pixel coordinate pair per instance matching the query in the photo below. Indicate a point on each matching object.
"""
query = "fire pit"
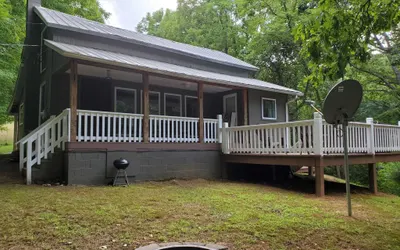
(183, 246)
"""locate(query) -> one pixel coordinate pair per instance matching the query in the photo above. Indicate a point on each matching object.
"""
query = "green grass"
(5, 149)
(241, 216)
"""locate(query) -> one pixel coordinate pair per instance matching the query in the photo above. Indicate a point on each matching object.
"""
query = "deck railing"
(99, 126)
(310, 137)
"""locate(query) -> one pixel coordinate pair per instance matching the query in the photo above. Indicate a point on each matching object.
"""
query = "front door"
(230, 109)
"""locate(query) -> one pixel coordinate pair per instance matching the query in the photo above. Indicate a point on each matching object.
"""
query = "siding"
(255, 106)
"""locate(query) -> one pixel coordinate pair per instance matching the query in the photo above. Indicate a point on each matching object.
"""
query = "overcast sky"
(127, 14)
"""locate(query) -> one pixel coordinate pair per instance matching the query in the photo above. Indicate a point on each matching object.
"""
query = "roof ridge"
(161, 39)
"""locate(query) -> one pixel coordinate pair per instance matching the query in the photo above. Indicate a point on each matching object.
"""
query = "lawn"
(241, 216)
(5, 149)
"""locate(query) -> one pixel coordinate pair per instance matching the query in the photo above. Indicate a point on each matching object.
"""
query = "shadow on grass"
(9, 171)
(261, 174)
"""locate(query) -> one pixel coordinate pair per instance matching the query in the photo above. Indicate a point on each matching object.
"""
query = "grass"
(5, 149)
(241, 216)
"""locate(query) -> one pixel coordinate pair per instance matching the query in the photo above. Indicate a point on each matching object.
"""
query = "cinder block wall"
(96, 168)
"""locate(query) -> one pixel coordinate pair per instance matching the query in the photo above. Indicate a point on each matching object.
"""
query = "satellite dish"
(340, 105)
(342, 101)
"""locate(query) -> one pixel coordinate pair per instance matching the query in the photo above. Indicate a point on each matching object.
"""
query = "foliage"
(12, 32)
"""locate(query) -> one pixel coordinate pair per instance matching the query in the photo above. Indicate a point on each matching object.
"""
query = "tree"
(205, 23)
(335, 34)
(12, 35)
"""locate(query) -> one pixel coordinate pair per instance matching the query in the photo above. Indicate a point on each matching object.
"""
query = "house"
(144, 98)
(92, 93)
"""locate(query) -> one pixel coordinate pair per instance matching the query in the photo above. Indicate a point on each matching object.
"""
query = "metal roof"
(127, 61)
(64, 21)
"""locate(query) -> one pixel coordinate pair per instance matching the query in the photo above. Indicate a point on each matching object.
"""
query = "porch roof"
(151, 66)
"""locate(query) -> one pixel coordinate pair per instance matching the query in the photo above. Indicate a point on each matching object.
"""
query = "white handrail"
(42, 141)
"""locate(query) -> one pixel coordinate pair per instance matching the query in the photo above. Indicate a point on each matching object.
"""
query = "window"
(191, 106)
(125, 100)
(268, 109)
(172, 105)
(42, 102)
(154, 102)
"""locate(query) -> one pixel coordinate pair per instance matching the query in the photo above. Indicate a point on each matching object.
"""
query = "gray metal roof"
(127, 61)
(64, 21)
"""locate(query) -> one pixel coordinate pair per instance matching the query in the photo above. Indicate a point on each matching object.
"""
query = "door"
(230, 109)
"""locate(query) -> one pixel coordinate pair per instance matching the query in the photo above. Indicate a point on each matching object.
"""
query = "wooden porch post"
(373, 183)
(319, 181)
(146, 110)
(245, 108)
(200, 97)
(73, 97)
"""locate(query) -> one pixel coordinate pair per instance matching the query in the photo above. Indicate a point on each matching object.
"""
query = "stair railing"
(43, 140)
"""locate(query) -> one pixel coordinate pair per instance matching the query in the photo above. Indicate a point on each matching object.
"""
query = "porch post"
(200, 96)
(245, 108)
(73, 98)
(146, 111)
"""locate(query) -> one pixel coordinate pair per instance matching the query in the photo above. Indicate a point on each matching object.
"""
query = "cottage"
(91, 93)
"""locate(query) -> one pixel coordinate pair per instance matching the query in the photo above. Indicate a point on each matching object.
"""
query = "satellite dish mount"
(340, 105)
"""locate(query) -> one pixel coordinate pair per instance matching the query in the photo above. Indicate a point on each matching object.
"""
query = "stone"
(103, 247)
(149, 247)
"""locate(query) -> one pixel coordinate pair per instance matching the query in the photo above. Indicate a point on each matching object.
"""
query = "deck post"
(73, 98)
(146, 111)
(220, 121)
(200, 97)
(317, 134)
(310, 171)
(225, 139)
(373, 183)
(319, 181)
(245, 108)
(370, 136)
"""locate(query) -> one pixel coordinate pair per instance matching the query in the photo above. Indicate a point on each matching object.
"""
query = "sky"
(127, 14)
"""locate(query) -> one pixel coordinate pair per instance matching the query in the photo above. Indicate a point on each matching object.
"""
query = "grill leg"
(126, 178)
(116, 178)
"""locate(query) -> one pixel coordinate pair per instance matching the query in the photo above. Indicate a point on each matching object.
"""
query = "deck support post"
(73, 99)
(16, 133)
(373, 183)
(245, 108)
(146, 107)
(319, 181)
(200, 98)
(310, 171)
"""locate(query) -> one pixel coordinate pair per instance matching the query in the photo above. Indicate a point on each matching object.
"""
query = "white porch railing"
(310, 137)
(98, 126)
(43, 140)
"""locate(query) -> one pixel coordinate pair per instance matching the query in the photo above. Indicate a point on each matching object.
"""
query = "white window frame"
(262, 109)
(42, 50)
(165, 102)
(188, 97)
(41, 112)
(126, 89)
(229, 96)
(21, 118)
(150, 92)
